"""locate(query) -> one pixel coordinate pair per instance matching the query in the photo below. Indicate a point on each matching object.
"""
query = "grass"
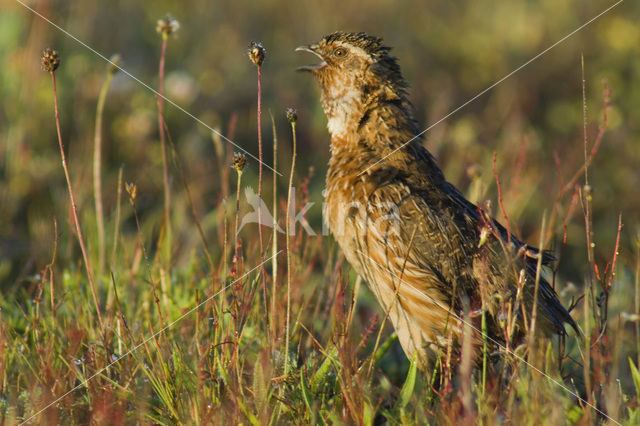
(174, 338)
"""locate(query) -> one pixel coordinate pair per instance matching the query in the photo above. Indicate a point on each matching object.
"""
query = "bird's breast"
(364, 220)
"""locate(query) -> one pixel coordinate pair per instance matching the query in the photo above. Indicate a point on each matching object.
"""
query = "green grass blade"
(409, 385)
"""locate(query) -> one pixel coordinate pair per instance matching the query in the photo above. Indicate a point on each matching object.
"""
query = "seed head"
(167, 25)
(239, 161)
(257, 53)
(50, 60)
(292, 115)
(114, 63)
(132, 190)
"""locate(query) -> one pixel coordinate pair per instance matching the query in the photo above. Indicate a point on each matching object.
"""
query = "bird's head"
(354, 63)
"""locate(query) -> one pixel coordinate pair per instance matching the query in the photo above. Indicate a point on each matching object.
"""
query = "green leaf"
(385, 347)
(574, 414)
(369, 414)
(260, 389)
(409, 384)
(250, 416)
(635, 374)
(306, 393)
(319, 378)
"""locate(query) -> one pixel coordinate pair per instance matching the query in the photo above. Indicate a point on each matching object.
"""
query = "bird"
(435, 261)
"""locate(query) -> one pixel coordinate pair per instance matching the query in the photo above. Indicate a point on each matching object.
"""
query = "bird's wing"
(445, 232)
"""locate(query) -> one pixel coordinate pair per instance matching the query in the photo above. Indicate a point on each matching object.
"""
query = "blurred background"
(448, 51)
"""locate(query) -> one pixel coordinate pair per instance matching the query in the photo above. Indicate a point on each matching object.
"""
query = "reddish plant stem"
(74, 206)
(588, 157)
(236, 261)
(260, 153)
(615, 253)
(607, 286)
(259, 112)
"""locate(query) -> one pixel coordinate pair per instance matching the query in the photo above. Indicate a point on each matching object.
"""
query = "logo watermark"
(382, 218)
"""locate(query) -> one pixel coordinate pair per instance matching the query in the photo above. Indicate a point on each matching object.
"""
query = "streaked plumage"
(422, 247)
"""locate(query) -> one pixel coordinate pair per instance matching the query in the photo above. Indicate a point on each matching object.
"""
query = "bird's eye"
(340, 52)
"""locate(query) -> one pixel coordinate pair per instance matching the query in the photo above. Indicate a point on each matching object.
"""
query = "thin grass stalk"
(239, 161)
(123, 318)
(586, 199)
(586, 364)
(116, 232)
(612, 399)
(192, 207)
(292, 119)
(97, 163)
(50, 267)
(221, 207)
(354, 301)
(466, 365)
(584, 122)
(502, 209)
(224, 245)
(274, 245)
(116, 227)
(133, 192)
(231, 131)
(74, 207)
(636, 300)
(226, 158)
(163, 143)
(586, 203)
(536, 287)
(484, 350)
(592, 153)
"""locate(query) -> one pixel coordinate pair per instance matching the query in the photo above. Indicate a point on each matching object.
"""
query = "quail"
(428, 254)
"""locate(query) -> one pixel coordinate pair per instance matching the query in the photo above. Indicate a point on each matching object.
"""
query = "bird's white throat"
(342, 105)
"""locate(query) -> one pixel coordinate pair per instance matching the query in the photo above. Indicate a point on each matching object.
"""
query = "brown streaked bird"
(424, 249)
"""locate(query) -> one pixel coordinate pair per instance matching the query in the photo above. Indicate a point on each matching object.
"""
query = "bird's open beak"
(311, 68)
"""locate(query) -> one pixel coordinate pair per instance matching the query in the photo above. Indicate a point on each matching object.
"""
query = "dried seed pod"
(50, 59)
(257, 52)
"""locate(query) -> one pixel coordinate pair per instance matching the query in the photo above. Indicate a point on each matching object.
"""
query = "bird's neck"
(377, 135)
(356, 114)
